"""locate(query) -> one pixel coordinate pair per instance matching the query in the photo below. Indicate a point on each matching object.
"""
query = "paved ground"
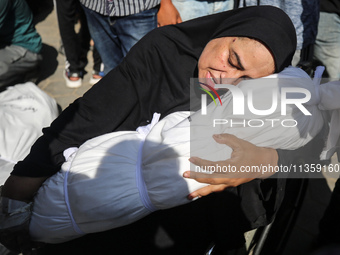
(52, 83)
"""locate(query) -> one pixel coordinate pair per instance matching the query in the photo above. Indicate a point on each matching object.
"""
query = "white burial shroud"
(117, 178)
(24, 111)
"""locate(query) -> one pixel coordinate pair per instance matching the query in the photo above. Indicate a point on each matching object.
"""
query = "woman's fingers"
(205, 178)
(228, 139)
(206, 191)
(245, 164)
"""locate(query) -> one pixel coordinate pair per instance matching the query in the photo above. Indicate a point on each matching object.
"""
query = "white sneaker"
(73, 80)
(96, 76)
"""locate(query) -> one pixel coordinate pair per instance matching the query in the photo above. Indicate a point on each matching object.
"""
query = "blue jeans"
(190, 9)
(327, 45)
(114, 36)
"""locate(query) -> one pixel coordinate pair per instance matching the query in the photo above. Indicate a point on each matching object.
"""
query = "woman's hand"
(22, 188)
(244, 155)
(168, 14)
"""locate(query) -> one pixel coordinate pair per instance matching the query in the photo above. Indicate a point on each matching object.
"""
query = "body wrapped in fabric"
(117, 178)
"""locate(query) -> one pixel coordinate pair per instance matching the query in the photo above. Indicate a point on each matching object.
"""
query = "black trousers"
(76, 43)
(330, 220)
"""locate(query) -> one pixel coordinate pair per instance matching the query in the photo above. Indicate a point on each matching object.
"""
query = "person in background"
(191, 9)
(76, 44)
(327, 44)
(304, 15)
(20, 44)
(327, 51)
(115, 26)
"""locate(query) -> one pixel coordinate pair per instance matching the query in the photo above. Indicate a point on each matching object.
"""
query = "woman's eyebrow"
(239, 63)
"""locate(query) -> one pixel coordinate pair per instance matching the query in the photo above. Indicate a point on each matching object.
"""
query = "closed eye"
(232, 65)
(238, 65)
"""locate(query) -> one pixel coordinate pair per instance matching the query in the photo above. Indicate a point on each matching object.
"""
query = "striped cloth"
(119, 7)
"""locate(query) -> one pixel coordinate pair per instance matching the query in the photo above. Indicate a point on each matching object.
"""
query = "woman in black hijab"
(155, 77)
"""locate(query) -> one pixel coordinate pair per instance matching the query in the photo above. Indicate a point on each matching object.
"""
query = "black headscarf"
(154, 77)
(269, 25)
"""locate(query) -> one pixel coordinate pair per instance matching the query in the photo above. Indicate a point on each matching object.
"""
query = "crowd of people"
(149, 50)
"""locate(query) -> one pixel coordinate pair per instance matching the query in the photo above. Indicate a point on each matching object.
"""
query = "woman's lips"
(207, 82)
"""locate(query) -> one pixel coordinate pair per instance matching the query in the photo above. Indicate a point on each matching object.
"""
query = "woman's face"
(235, 58)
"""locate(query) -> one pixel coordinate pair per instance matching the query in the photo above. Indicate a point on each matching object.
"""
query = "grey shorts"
(15, 63)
